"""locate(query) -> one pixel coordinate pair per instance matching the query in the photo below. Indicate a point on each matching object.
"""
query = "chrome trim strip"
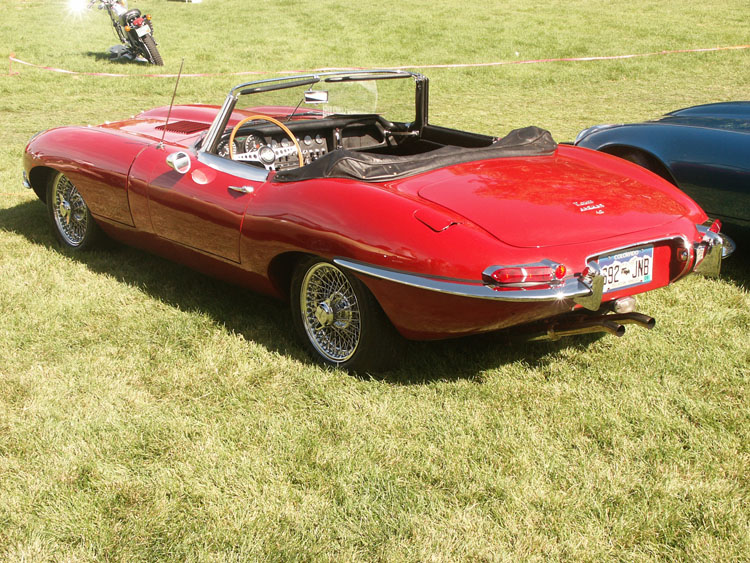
(26, 183)
(232, 167)
(573, 288)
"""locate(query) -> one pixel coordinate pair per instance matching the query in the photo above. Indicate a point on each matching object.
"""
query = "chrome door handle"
(242, 189)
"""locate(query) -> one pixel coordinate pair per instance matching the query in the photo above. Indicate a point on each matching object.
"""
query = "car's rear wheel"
(71, 219)
(339, 320)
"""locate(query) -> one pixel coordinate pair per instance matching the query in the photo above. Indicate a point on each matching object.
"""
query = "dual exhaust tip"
(612, 323)
(612, 319)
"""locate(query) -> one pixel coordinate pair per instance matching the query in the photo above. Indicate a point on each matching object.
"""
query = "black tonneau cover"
(342, 163)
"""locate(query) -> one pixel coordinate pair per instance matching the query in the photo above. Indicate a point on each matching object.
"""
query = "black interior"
(369, 148)
(383, 165)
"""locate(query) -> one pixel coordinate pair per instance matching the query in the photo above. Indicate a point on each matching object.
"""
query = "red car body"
(424, 244)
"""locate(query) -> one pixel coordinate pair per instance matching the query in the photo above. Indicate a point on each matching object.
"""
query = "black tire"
(70, 218)
(339, 321)
(152, 53)
(636, 158)
(644, 161)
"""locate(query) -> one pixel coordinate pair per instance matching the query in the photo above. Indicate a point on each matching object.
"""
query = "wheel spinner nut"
(324, 313)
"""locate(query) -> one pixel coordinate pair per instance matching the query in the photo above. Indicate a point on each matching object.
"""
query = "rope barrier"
(12, 58)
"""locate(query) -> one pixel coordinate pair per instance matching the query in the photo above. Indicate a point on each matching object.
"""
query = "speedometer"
(223, 148)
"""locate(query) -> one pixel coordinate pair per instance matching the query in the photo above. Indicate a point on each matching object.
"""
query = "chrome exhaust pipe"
(585, 324)
(555, 332)
(633, 318)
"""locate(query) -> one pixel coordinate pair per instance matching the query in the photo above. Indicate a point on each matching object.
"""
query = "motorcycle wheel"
(152, 53)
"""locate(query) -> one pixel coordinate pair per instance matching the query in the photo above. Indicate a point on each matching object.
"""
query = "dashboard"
(315, 139)
(312, 146)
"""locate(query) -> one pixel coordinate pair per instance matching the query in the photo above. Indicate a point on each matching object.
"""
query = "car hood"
(546, 201)
(184, 124)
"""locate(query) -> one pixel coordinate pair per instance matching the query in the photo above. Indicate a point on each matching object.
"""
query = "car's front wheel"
(71, 219)
(339, 320)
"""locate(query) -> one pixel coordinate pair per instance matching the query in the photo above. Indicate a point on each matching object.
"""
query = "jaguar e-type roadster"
(375, 225)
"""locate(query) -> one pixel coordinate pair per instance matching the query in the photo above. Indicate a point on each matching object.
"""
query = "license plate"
(143, 30)
(627, 268)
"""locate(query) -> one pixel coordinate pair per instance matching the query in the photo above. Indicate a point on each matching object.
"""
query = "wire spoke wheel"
(330, 312)
(69, 211)
(71, 219)
(339, 320)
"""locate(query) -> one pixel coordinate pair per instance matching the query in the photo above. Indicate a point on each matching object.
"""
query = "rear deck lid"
(546, 201)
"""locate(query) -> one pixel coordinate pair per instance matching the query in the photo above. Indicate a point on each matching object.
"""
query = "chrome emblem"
(589, 205)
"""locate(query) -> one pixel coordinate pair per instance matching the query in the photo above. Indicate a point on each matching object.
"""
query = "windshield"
(387, 93)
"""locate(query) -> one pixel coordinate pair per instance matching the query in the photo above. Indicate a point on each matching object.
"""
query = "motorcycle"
(134, 29)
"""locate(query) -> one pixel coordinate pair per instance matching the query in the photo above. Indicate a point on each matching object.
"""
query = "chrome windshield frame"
(211, 140)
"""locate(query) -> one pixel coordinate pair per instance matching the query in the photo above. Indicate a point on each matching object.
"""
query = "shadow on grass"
(113, 57)
(257, 318)
(736, 268)
(268, 322)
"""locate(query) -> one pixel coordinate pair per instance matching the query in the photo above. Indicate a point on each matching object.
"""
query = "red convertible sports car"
(377, 225)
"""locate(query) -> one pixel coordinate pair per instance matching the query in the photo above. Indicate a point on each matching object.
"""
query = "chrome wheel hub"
(330, 312)
(69, 210)
(65, 210)
(324, 313)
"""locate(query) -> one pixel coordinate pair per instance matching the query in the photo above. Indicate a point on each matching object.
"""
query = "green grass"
(148, 412)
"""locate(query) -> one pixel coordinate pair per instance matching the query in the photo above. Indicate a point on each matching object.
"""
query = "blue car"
(704, 150)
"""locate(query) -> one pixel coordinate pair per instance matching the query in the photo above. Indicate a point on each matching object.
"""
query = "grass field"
(150, 413)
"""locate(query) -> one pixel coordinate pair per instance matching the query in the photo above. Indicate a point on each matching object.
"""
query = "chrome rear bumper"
(586, 292)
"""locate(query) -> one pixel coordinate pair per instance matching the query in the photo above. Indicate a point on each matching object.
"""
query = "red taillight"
(534, 273)
(509, 275)
(715, 227)
(138, 22)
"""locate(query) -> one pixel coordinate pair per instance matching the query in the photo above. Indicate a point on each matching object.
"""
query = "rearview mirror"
(179, 162)
(316, 97)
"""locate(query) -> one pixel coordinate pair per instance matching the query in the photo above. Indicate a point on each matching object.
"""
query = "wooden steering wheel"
(262, 154)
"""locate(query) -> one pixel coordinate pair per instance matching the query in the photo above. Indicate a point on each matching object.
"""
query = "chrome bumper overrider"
(586, 292)
(26, 183)
(711, 251)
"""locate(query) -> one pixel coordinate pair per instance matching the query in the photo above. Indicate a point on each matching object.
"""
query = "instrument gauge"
(308, 140)
(285, 142)
(253, 142)
(319, 139)
(223, 148)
